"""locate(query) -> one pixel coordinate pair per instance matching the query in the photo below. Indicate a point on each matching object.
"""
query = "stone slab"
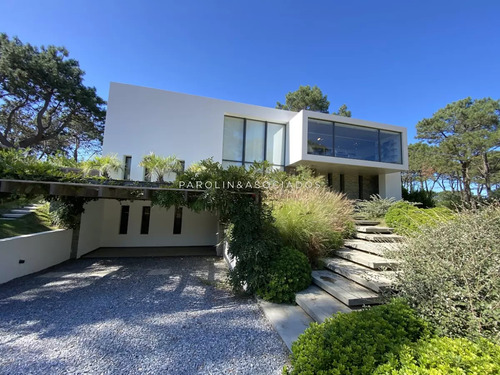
(371, 279)
(372, 261)
(346, 291)
(290, 321)
(318, 304)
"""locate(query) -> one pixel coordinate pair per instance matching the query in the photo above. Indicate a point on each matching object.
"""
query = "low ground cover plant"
(450, 273)
(358, 342)
(407, 219)
(289, 273)
(444, 356)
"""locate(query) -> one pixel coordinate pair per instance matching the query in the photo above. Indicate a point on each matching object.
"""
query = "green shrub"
(376, 207)
(311, 220)
(424, 197)
(288, 274)
(358, 342)
(450, 273)
(405, 218)
(444, 356)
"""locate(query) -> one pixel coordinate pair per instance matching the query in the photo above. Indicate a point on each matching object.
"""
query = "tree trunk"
(487, 174)
(466, 191)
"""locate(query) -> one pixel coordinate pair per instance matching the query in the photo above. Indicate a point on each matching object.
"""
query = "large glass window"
(356, 142)
(390, 147)
(320, 138)
(246, 141)
(254, 141)
(353, 142)
(275, 149)
(233, 139)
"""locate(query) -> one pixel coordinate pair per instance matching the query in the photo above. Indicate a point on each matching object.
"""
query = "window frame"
(266, 123)
(334, 123)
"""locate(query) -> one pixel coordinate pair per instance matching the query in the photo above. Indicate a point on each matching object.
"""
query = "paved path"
(130, 316)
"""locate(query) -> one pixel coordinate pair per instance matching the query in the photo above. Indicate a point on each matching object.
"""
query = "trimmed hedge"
(444, 356)
(405, 218)
(358, 342)
(288, 274)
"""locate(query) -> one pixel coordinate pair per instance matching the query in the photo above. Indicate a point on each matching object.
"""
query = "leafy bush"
(376, 207)
(443, 356)
(450, 273)
(289, 273)
(356, 343)
(449, 199)
(405, 218)
(311, 220)
(424, 197)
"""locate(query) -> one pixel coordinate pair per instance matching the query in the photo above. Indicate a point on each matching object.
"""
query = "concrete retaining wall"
(39, 251)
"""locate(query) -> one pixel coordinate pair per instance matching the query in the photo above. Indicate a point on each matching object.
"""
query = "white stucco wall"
(198, 229)
(39, 251)
(142, 120)
(91, 227)
(389, 185)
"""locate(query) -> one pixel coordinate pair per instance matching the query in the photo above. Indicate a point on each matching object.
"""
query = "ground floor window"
(125, 211)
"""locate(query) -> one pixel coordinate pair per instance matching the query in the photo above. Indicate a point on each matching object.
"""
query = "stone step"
(6, 218)
(13, 216)
(371, 279)
(22, 211)
(374, 229)
(366, 222)
(379, 237)
(318, 304)
(378, 248)
(346, 291)
(290, 321)
(372, 261)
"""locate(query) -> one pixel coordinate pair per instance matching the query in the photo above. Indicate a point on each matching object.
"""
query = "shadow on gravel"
(132, 315)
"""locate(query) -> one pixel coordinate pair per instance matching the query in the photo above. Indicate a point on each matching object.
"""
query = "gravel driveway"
(129, 316)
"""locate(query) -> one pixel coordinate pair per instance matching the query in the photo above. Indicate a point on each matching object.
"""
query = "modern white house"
(358, 157)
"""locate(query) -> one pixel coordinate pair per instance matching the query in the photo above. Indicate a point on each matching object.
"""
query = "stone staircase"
(352, 279)
(17, 213)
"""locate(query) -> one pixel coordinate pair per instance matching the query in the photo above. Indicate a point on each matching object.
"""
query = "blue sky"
(394, 62)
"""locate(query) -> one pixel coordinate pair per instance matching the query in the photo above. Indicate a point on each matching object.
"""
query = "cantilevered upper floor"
(142, 120)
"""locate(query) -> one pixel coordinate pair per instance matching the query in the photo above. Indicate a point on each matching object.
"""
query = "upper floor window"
(353, 142)
(246, 141)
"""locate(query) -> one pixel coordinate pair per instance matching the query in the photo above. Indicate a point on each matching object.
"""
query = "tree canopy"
(306, 97)
(44, 104)
(311, 99)
(465, 139)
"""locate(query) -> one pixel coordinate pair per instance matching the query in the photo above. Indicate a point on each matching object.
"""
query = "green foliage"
(356, 343)
(466, 133)
(43, 101)
(449, 199)
(376, 207)
(159, 166)
(407, 219)
(105, 165)
(343, 111)
(305, 97)
(311, 220)
(450, 273)
(66, 211)
(424, 197)
(35, 222)
(253, 239)
(289, 273)
(444, 356)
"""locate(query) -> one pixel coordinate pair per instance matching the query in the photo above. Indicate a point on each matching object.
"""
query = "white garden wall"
(39, 251)
(90, 227)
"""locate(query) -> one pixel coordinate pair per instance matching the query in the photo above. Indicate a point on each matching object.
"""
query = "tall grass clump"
(376, 207)
(450, 273)
(314, 221)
